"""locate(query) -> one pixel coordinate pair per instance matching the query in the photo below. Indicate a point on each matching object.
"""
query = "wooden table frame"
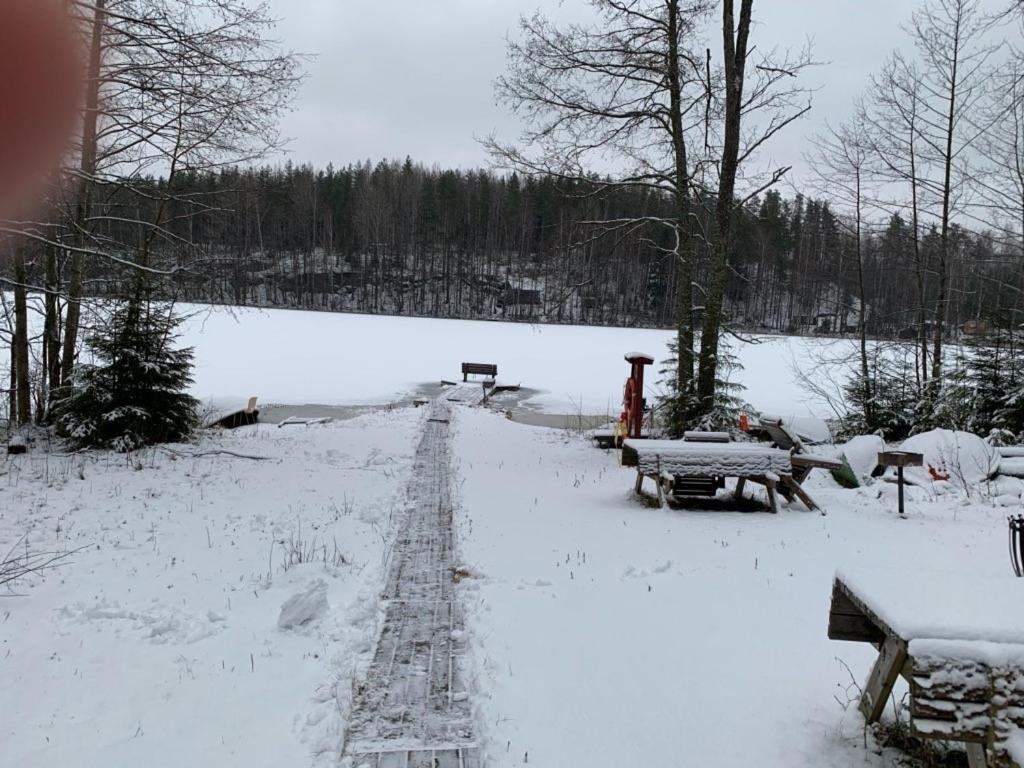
(850, 618)
(786, 485)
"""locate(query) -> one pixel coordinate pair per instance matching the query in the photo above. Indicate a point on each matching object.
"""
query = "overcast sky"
(415, 77)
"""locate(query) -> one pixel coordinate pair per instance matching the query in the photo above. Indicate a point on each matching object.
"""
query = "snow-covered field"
(603, 632)
(608, 633)
(158, 643)
(298, 357)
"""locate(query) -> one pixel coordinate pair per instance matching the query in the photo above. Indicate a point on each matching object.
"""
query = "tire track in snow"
(412, 710)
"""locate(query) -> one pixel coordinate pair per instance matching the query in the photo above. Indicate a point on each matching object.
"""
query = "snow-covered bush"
(133, 394)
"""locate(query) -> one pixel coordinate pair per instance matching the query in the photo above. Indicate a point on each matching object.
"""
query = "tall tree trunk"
(942, 296)
(51, 330)
(683, 249)
(22, 385)
(734, 40)
(87, 167)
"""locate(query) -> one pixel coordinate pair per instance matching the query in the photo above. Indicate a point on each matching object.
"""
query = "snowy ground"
(608, 633)
(350, 359)
(158, 644)
(602, 632)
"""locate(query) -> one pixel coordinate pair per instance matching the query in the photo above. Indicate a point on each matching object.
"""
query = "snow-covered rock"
(861, 454)
(304, 607)
(962, 458)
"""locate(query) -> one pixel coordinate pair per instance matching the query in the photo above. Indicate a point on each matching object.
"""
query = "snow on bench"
(697, 458)
(959, 641)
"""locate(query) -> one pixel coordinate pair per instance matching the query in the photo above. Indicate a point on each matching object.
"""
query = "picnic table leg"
(639, 481)
(891, 657)
(794, 485)
(741, 483)
(773, 499)
(976, 755)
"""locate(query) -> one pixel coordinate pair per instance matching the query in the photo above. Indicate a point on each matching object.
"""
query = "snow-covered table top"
(942, 605)
(727, 459)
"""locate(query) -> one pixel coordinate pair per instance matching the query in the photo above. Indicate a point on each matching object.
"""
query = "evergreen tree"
(133, 394)
(681, 411)
(888, 404)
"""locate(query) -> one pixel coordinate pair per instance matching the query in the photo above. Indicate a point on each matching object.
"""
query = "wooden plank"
(848, 621)
(891, 657)
(810, 461)
(862, 607)
(741, 483)
(853, 628)
(976, 756)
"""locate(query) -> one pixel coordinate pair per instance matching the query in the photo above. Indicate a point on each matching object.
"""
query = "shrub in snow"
(133, 394)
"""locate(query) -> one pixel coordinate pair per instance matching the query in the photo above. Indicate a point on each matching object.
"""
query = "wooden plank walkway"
(413, 709)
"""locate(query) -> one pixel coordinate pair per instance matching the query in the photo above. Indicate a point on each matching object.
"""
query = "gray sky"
(415, 77)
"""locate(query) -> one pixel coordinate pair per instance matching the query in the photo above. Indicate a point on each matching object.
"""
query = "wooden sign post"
(900, 459)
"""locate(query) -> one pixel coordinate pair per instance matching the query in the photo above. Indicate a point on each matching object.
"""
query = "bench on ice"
(958, 642)
(490, 370)
(699, 464)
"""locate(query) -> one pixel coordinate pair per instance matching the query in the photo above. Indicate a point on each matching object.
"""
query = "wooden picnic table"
(683, 468)
(958, 642)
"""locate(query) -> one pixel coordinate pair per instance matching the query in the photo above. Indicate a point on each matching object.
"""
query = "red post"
(634, 400)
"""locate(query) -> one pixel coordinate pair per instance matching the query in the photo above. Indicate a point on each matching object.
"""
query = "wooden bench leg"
(773, 499)
(891, 657)
(741, 483)
(639, 482)
(976, 756)
(800, 493)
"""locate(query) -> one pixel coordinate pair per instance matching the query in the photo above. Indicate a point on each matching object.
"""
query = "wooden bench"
(961, 688)
(489, 370)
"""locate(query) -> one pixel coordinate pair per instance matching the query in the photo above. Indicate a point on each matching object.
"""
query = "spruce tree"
(681, 410)
(133, 393)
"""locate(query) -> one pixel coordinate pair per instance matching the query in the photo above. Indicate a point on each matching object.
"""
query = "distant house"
(522, 297)
(976, 327)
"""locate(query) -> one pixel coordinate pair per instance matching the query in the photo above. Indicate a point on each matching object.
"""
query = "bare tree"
(840, 164)
(626, 96)
(891, 116)
(954, 56)
(765, 108)
(172, 87)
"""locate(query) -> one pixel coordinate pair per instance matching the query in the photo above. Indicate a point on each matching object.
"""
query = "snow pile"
(861, 455)
(1012, 466)
(305, 606)
(964, 459)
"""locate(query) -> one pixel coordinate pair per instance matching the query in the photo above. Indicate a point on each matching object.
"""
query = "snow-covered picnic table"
(957, 640)
(674, 463)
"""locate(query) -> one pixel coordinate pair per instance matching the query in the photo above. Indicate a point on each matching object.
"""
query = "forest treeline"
(400, 238)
